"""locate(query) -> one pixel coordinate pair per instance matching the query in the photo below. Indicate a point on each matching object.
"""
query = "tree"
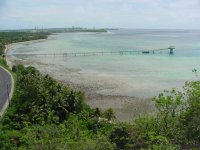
(169, 106)
(109, 114)
(2, 47)
(121, 137)
(190, 118)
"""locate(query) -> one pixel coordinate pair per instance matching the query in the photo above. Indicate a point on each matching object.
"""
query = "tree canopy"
(44, 114)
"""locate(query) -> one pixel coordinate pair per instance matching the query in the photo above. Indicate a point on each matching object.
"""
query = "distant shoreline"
(61, 30)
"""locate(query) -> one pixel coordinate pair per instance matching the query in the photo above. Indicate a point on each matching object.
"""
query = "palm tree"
(109, 114)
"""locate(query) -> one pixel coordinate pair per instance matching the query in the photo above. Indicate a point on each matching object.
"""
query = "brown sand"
(126, 108)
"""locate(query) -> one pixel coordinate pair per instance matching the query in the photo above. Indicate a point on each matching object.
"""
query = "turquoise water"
(129, 75)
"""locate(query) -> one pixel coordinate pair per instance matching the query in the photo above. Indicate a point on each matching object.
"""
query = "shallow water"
(141, 75)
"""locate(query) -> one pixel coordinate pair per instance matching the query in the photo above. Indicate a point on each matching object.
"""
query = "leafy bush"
(47, 115)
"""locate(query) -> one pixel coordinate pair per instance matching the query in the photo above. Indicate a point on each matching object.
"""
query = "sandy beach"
(126, 108)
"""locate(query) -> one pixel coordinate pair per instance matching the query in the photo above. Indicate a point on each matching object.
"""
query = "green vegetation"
(2, 62)
(13, 37)
(47, 115)
(43, 112)
(17, 36)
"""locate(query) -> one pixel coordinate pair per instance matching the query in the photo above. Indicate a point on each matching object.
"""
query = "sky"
(148, 14)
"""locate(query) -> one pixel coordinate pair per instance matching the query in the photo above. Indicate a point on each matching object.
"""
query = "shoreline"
(126, 108)
(8, 46)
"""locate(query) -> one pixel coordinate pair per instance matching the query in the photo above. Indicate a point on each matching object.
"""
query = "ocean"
(125, 83)
(138, 75)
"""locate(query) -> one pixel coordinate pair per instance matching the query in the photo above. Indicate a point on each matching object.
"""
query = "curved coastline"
(9, 62)
(126, 107)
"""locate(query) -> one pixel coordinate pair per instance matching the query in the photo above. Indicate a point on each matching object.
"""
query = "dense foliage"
(47, 115)
(2, 62)
(13, 37)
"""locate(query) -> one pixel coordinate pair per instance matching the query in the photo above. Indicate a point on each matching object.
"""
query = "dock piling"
(120, 52)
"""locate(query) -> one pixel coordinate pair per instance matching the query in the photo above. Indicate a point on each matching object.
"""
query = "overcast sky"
(184, 14)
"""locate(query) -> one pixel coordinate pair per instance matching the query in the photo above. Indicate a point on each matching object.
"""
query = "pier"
(169, 50)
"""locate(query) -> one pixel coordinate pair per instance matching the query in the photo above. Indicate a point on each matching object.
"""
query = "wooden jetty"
(170, 50)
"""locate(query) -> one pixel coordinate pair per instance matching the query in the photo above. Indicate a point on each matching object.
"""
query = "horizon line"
(118, 28)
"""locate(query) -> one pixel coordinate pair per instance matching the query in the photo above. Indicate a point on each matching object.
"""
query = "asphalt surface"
(5, 88)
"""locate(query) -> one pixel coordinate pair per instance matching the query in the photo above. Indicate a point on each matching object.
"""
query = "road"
(6, 89)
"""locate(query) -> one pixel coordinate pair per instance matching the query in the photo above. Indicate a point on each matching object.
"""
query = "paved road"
(5, 89)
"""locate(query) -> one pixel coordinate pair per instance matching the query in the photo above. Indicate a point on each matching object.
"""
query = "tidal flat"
(126, 83)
